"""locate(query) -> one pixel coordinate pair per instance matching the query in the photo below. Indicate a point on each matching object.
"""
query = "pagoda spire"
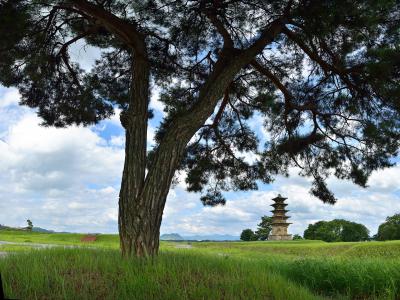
(279, 220)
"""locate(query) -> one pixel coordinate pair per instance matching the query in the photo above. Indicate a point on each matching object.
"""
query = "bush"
(297, 237)
(248, 235)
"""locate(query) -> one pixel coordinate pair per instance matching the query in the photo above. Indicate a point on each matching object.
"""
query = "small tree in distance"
(30, 225)
(297, 237)
(264, 228)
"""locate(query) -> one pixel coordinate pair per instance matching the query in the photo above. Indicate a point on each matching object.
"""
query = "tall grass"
(355, 270)
(369, 270)
(103, 274)
(355, 278)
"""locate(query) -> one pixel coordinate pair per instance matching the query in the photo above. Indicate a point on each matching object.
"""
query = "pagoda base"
(280, 237)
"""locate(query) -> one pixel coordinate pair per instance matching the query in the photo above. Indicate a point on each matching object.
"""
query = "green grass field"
(207, 270)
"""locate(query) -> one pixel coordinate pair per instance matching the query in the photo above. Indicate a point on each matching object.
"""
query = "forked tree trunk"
(138, 230)
(138, 234)
(140, 214)
(141, 210)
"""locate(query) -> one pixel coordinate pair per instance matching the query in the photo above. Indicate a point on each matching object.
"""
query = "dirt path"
(183, 246)
(34, 245)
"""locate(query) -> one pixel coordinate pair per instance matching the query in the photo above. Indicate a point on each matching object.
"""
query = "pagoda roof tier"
(278, 214)
(280, 223)
(279, 198)
(277, 204)
(279, 210)
(281, 217)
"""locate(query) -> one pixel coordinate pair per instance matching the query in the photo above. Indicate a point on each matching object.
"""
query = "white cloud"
(117, 141)
(84, 54)
(386, 180)
(155, 104)
(151, 133)
(11, 97)
(63, 179)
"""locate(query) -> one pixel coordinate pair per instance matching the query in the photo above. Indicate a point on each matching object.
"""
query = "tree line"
(337, 230)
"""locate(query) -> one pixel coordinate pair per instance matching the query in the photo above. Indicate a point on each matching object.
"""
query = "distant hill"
(3, 227)
(171, 237)
(39, 229)
(34, 229)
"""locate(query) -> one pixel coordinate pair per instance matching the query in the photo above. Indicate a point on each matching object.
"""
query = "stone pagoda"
(279, 224)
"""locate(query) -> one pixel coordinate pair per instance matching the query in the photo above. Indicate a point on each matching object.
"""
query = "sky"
(68, 180)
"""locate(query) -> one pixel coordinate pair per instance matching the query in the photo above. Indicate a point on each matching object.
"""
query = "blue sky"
(68, 180)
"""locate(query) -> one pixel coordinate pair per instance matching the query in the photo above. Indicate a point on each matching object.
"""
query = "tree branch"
(228, 42)
(275, 80)
(125, 31)
(324, 65)
(184, 127)
(221, 109)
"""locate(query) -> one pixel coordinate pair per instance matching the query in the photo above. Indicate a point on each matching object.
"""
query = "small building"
(279, 220)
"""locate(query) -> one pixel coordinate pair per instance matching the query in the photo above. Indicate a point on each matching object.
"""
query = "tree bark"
(136, 236)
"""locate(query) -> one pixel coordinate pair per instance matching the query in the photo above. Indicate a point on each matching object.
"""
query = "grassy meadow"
(207, 270)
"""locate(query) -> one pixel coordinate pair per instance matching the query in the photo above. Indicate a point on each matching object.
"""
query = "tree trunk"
(139, 220)
(141, 210)
(139, 230)
(137, 236)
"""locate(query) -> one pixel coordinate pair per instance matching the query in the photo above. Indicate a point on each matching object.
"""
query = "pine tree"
(30, 225)
(323, 75)
(264, 228)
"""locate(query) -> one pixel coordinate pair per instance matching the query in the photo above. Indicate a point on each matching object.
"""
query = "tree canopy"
(321, 76)
(336, 231)
(324, 75)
